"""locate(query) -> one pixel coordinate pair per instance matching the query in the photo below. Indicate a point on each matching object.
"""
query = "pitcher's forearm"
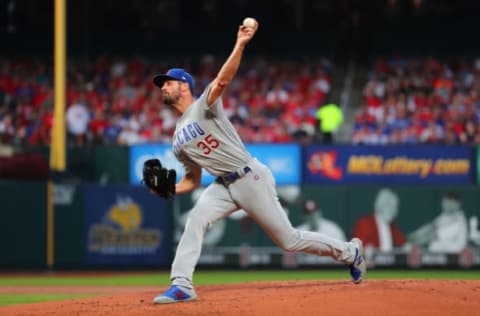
(190, 181)
(185, 186)
(230, 67)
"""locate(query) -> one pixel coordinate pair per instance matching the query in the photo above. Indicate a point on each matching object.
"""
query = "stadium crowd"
(113, 100)
(420, 100)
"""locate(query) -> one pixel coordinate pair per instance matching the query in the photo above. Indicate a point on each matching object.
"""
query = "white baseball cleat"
(175, 294)
(358, 267)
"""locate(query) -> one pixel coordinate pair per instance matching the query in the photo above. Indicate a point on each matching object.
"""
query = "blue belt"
(232, 177)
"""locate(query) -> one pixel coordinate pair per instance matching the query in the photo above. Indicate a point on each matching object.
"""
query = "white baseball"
(249, 22)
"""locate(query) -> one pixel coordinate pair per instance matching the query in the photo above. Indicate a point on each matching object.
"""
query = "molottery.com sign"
(389, 164)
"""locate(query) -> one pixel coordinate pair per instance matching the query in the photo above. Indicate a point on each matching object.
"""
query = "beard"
(169, 100)
(172, 98)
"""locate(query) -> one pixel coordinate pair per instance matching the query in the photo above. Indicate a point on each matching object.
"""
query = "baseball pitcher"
(205, 138)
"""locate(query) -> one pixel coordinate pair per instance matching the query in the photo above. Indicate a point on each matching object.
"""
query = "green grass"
(13, 299)
(223, 277)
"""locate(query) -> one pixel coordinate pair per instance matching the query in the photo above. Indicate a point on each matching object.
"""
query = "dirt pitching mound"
(376, 297)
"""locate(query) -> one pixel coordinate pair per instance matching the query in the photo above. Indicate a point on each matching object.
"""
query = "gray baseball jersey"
(205, 137)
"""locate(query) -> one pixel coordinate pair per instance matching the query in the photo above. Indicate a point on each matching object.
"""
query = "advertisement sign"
(283, 160)
(125, 225)
(389, 164)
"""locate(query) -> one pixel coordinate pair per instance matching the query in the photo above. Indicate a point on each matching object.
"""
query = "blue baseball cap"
(174, 74)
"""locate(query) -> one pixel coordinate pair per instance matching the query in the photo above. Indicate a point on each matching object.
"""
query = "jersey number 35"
(208, 144)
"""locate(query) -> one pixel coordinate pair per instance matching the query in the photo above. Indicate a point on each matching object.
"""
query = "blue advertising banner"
(125, 225)
(389, 164)
(284, 160)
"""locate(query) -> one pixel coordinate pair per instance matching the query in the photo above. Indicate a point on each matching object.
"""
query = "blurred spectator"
(470, 133)
(330, 117)
(7, 130)
(77, 123)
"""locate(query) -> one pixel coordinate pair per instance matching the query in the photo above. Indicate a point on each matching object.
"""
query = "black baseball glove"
(160, 181)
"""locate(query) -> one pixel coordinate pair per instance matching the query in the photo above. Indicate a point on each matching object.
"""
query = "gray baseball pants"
(255, 193)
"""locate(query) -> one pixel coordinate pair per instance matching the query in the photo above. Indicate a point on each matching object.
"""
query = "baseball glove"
(160, 181)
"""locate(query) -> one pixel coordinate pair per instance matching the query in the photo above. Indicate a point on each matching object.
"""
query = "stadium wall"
(91, 229)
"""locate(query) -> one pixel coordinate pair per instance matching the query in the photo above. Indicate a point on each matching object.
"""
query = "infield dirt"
(376, 297)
